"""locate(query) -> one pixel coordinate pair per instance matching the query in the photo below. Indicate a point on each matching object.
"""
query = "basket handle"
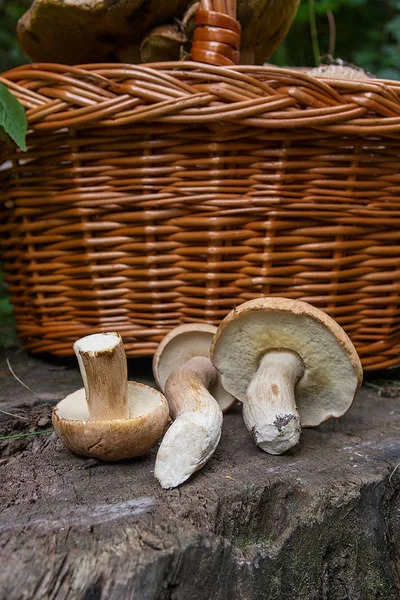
(216, 39)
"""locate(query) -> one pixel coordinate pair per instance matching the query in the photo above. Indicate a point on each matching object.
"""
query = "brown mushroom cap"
(114, 439)
(332, 368)
(73, 32)
(180, 345)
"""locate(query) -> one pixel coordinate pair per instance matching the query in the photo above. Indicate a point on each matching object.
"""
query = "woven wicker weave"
(155, 195)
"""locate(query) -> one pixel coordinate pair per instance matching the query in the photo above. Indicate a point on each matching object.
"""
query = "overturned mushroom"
(182, 368)
(110, 418)
(290, 364)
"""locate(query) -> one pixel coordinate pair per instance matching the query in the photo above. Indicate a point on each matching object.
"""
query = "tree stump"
(321, 522)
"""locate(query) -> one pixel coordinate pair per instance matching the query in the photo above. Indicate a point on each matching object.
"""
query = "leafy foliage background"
(367, 34)
(10, 12)
(363, 32)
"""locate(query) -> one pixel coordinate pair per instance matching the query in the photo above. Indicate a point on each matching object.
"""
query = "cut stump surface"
(321, 522)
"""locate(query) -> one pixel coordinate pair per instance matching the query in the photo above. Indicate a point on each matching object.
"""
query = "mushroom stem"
(270, 412)
(103, 367)
(196, 430)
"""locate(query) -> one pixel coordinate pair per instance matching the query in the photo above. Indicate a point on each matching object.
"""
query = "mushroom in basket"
(290, 364)
(183, 370)
(135, 31)
(110, 418)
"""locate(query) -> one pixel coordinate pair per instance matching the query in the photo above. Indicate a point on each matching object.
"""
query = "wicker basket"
(155, 195)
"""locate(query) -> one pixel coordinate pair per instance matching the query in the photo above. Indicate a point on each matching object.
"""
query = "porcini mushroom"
(183, 370)
(290, 364)
(76, 32)
(110, 418)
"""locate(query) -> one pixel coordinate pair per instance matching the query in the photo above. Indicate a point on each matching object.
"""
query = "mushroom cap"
(73, 32)
(180, 345)
(332, 368)
(114, 439)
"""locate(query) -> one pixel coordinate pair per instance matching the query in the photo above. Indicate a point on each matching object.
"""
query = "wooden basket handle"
(216, 39)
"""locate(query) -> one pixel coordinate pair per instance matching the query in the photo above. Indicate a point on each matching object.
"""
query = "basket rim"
(188, 92)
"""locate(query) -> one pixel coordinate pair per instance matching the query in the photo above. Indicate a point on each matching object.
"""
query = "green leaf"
(12, 117)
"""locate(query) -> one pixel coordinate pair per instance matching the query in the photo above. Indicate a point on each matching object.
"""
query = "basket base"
(375, 355)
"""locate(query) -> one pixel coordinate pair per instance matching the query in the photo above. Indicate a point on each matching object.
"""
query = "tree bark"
(321, 522)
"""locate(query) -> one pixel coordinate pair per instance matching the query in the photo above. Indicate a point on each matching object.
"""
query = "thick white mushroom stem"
(270, 412)
(102, 362)
(196, 430)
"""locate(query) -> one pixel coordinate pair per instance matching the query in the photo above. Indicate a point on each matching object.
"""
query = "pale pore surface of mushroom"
(141, 399)
(180, 345)
(194, 435)
(114, 439)
(328, 384)
(288, 362)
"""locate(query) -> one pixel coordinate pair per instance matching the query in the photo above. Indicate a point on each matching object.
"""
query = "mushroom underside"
(330, 379)
(182, 344)
(114, 439)
(141, 399)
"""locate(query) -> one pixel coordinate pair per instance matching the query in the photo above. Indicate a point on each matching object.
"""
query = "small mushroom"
(183, 370)
(290, 364)
(110, 418)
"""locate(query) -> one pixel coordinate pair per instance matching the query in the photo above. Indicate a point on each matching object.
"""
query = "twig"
(22, 435)
(332, 32)
(43, 397)
(17, 378)
(373, 386)
(4, 412)
(393, 472)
